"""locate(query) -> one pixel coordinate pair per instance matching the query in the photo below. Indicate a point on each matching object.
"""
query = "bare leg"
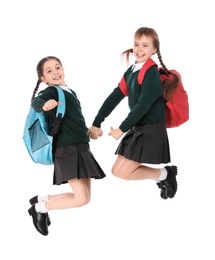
(51, 197)
(131, 170)
(79, 197)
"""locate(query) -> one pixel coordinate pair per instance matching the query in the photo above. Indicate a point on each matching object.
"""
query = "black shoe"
(33, 201)
(39, 220)
(165, 190)
(169, 186)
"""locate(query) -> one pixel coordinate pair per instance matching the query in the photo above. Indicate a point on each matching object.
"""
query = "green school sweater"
(72, 128)
(146, 102)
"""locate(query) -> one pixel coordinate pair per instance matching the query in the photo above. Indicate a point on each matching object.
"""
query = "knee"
(119, 173)
(86, 200)
(115, 171)
(83, 200)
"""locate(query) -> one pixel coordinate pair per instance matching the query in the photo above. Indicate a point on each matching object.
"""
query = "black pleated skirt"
(75, 161)
(146, 144)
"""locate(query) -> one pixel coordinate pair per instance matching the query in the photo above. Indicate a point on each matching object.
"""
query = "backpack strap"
(61, 98)
(60, 111)
(123, 85)
(149, 63)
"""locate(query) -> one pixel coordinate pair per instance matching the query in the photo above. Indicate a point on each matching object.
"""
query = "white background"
(124, 220)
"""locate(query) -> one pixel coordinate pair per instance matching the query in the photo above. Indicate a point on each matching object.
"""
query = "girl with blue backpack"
(74, 163)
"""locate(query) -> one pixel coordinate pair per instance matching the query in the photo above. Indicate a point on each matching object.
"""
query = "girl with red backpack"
(145, 141)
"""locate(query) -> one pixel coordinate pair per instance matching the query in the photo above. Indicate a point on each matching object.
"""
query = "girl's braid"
(36, 88)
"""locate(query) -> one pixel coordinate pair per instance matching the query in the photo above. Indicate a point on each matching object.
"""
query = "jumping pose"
(145, 140)
(74, 164)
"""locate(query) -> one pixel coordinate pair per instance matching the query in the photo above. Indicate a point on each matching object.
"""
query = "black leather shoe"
(164, 190)
(33, 201)
(39, 220)
(169, 186)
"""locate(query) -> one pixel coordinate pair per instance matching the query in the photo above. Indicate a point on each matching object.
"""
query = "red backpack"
(177, 110)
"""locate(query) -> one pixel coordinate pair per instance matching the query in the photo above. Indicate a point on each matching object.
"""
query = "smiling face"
(143, 48)
(53, 73)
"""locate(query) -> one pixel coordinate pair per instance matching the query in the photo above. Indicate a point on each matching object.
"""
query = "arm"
(108, 106)
(46, 101)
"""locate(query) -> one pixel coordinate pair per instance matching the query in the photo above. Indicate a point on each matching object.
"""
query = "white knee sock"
(41, 207)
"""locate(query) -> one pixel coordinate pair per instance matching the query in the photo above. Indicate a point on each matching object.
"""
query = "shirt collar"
(137, 66)
(65, 88)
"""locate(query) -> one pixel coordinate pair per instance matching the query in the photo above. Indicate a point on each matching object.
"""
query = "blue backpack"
(37, 138)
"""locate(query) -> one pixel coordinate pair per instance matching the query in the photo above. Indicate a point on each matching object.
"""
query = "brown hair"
(40, 71)
(170, 84)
